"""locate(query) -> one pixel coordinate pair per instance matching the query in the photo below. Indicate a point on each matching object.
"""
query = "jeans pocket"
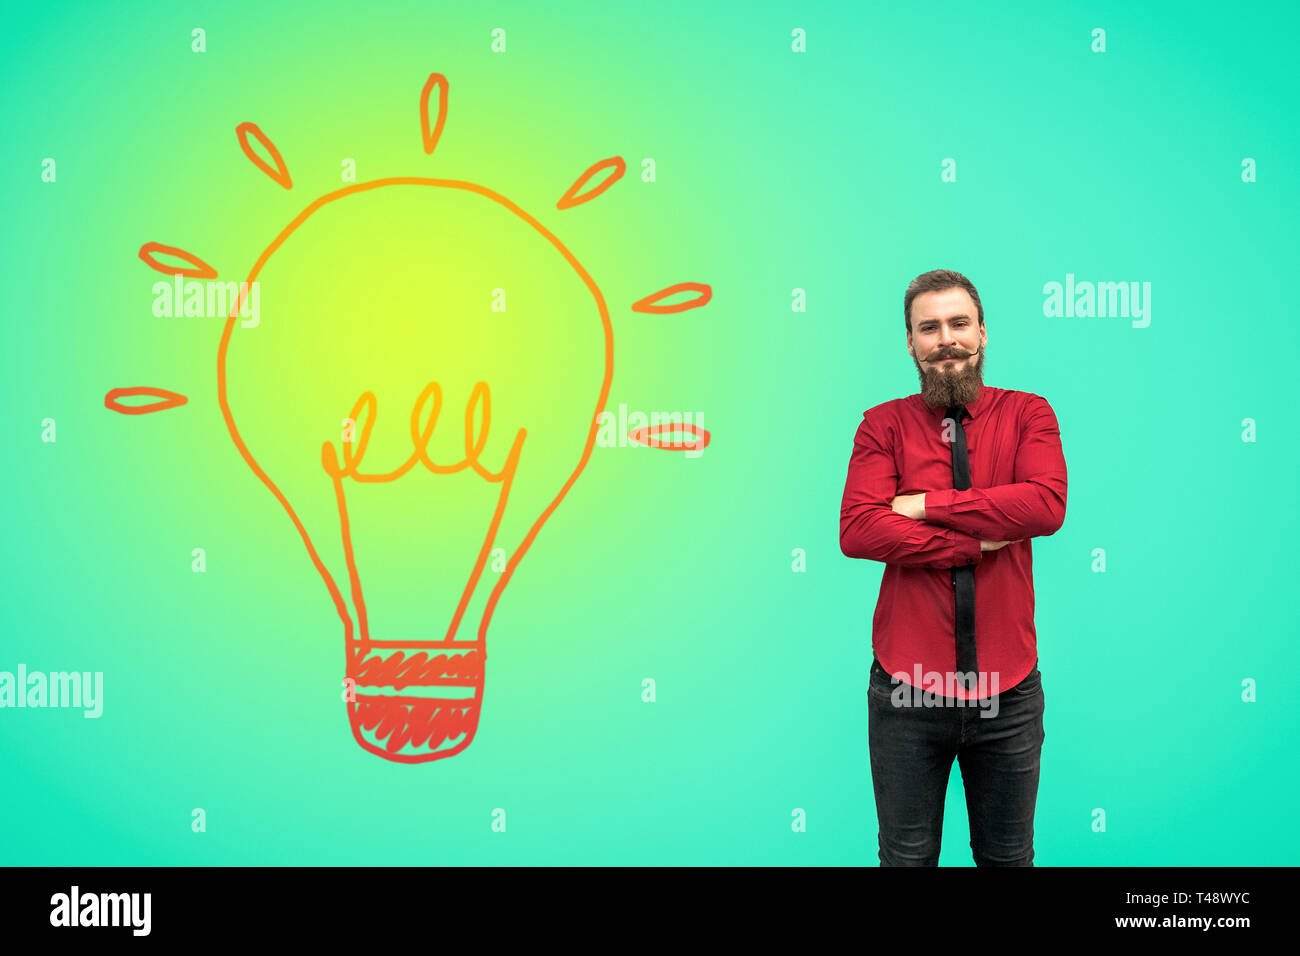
(1031, 683)
(879, 682)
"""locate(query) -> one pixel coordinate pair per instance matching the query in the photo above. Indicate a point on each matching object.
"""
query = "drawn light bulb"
(385, 331)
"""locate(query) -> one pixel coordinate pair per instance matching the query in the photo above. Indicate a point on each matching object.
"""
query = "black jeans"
(912, 748)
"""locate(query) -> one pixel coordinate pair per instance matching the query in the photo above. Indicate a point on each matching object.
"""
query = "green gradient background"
(775, 171)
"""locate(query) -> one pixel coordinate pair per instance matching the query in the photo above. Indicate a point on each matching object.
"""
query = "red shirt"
(1017, 491)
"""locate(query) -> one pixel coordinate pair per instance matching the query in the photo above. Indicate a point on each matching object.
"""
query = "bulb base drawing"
(439, 691)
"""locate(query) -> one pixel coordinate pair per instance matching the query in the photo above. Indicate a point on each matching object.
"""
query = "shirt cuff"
(965, 548)
(938, 505)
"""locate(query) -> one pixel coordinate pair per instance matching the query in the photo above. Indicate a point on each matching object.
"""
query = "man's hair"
(938, 280)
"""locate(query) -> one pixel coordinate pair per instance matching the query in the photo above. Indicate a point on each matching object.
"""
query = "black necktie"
(963, 578)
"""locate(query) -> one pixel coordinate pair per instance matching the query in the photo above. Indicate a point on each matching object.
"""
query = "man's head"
(945, 336)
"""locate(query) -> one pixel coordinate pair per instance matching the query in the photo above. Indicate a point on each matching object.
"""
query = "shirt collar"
(972, 409)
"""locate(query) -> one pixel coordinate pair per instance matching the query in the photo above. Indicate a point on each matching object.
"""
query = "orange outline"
(644, 436)
(201, 269)
(648, 303)
(385, 712)
(431, 139)
(281, 172)
(571, 198)
(169, 400)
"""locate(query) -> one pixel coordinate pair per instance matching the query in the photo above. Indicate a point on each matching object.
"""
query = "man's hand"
(910, 506)
(995, 545)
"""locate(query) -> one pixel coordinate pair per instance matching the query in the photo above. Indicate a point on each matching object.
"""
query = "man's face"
(947, 345)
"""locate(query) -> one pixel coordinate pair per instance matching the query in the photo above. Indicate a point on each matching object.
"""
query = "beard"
(944, 388)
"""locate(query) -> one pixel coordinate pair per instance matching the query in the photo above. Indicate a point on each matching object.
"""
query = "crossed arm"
(944, 528)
